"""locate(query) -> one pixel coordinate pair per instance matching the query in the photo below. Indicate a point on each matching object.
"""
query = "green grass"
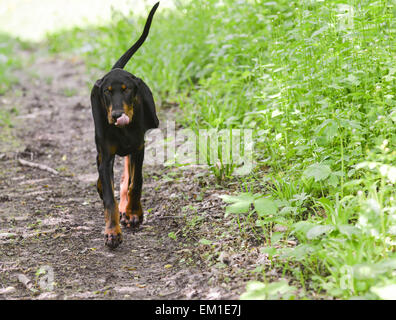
(9, 61)
(316, 81)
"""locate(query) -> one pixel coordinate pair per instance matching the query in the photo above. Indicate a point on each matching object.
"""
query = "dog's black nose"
(116, 114)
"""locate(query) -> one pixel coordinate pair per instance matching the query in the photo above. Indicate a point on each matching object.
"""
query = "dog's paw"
(131, 220)
(113, 239)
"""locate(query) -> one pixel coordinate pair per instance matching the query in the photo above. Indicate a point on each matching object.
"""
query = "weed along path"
(52, 222)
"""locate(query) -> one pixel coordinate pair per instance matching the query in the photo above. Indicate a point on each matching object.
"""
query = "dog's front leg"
(113, 236)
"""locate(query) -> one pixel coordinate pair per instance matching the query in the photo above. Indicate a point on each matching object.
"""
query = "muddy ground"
(51, 225)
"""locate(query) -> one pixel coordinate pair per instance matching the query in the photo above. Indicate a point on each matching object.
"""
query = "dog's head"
(118, 91)
(123, 99)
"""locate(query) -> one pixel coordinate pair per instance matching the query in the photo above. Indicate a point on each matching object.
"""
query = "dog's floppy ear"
(96, 97)
(98, 83)
(145, 97)
(97, 108)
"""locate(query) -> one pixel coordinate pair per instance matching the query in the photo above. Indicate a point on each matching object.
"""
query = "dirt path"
(52, 225)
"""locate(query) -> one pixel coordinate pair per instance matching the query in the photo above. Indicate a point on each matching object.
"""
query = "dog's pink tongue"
(123, 120)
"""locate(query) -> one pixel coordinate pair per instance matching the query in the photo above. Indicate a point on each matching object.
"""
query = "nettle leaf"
(241, 197)
(333, 180)
(318, 231)
(392, 230)
(301, 197)
(276, 237)
(352, 124)
(271, 251)
(239, 207)
(279, 289)
(329, 128)
(320, 31)
(288, 210)
(364, 271)
(302, 227)
(265, 207)
(256, 290)
(318, 171)
(352, 79)
(387, 292)
(393, 115)
(240, 203)
(349, 230)
(297, 253)
(387, 265)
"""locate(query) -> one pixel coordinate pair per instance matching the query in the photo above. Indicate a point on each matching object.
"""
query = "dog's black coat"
(118, 92)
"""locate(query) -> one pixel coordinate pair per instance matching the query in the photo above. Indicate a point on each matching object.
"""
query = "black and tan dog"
(123, 110)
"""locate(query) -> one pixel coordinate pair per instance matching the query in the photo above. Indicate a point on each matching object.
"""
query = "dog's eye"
(125, 88)
(108, 90)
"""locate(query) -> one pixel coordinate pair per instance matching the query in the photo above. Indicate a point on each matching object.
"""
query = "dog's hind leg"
(99, 186)
(124, 186)
(134, 213)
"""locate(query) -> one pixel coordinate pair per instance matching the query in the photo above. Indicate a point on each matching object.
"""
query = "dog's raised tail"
(128, 55)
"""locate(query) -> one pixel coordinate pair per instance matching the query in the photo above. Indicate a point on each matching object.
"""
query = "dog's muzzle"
(120, 119)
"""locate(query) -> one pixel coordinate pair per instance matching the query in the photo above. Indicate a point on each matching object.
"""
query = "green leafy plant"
(315, 81)
(256, 290)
